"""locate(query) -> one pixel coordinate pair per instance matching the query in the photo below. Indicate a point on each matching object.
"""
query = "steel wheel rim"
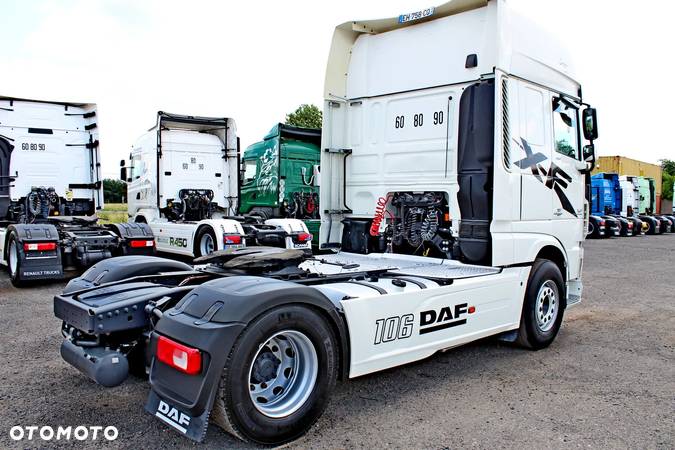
(283, 373)
(206, 244)
(547, 306)
(13, 257)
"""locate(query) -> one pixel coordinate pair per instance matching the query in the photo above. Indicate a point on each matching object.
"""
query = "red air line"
(380, 210)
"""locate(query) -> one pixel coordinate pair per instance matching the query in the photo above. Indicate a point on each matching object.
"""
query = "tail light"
(304, 237)
(39, 246)
(182, 358)
(232, 239)
(602, 223)
(142, 243)
(630, 225)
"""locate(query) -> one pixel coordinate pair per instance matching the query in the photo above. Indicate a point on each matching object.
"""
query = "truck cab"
(280, 176)
(51, 190)
(606, 202)
(453, 208)
(658, 224)
(182, 181)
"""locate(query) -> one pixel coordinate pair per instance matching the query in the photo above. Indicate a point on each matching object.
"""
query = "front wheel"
(543, 306)
(278, 377)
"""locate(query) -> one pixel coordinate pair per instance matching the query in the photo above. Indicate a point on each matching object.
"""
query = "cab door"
(532, 152)
(564, 177)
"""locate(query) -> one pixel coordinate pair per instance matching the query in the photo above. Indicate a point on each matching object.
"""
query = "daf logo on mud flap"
(446, 317)
(172, 416)
(178, 242)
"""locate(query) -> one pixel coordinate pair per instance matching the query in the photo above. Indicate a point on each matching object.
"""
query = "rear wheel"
(591, 229)
(14, 260)
(543, 306)
(278, 376)
(205, 242)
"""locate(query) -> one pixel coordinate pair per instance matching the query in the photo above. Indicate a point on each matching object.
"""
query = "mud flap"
(42, 265)
(190, 426)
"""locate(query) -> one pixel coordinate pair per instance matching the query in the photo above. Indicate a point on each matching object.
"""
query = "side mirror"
(590, 123)
(588, 155)
(123, 173)
(122, 163)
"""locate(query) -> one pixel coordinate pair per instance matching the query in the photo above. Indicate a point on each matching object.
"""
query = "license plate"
(404, 18)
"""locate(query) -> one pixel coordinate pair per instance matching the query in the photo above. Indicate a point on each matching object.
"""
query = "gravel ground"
(607, 381)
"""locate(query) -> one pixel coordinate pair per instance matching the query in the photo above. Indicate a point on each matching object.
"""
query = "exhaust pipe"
(106, 367)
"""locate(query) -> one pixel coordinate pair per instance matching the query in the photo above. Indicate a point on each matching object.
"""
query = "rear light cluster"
(39, 246)
(182, 358)
(232, 239)
(304, 237)
(602, 222)
(142, 243)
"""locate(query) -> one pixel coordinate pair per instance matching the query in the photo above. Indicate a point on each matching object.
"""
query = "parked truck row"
(625, 206)
(183, 178)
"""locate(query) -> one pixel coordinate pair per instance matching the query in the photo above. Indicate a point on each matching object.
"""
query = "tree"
(308, 116)
(668, 167)
(114, 191)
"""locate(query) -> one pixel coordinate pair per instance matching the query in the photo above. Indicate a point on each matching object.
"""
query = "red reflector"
(602, 222)
(232, 239)
(630, 225)
(178, 356)
(142, 243)
(472, 309)
(39, 246)
(304, 237)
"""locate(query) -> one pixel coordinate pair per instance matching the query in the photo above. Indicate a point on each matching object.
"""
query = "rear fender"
(47, 266)
(211, 318)
(121, 268)
(129, 231)
(221, 227)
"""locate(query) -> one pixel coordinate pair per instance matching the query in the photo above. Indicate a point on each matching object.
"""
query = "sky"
(255, 62)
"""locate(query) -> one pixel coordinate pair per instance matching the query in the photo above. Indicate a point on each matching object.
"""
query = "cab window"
(250, 168)
(137, 167)
(565, 126)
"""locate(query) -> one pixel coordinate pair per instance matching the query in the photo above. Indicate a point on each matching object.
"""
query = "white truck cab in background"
(182, 181)
(51, 189)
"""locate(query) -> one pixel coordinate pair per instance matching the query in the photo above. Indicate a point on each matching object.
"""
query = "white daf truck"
(182, 180)
(453, 195)
(51, 189)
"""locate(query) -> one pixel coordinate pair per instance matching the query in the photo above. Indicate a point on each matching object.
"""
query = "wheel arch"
(556, 256)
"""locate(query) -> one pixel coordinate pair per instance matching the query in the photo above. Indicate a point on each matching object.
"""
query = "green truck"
(280, 176)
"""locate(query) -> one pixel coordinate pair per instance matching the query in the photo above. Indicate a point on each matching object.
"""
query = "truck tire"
(543, 306)
(14, 260)
(205, 241)
(278, 377)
